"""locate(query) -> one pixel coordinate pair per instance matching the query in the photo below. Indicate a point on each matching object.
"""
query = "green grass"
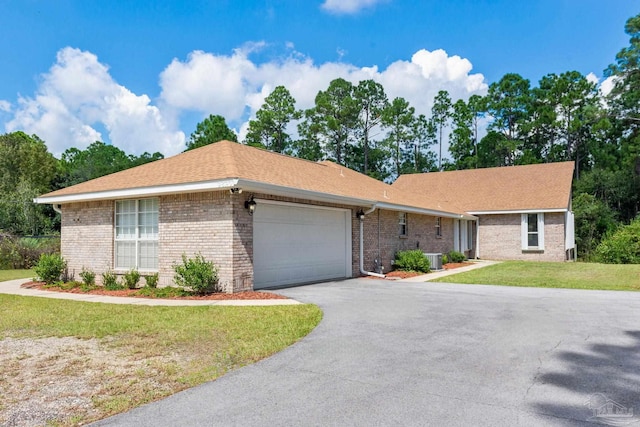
(16, 274)
(574, 275)
(203, 342)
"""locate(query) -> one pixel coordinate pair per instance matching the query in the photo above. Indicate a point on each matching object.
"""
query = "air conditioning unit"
(435, 260)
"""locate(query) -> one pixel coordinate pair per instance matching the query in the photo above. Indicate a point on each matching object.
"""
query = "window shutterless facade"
(439, 227)
(533, 231)
(402, 223)
(136, 234)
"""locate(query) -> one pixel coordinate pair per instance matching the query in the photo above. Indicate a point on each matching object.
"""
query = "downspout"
(362, 270)
(57, 208)
(477, 238)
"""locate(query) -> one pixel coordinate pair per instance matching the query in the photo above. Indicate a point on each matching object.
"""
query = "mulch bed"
(246, 295)
(452, 265)
(398, 274)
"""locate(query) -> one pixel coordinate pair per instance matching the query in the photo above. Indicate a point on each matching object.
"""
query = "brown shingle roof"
(541, 186)
(230, 160)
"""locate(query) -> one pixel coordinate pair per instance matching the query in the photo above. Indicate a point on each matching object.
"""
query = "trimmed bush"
(455, 256)
(445, 259)
(88, 277)
(131, 278)
(50, 267)
(414, 260)
(622, 246)
(110, 281)
(151, 281)
(198, 274)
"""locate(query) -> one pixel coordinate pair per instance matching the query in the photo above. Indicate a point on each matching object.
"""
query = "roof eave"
(423, 211)
(518, 211)
(159, 190)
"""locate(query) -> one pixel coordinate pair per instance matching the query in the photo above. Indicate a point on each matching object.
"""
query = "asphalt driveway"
(432, 354)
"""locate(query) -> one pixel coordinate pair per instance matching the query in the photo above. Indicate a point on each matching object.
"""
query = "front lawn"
(112, 358)
(16, 274)
(576, 275)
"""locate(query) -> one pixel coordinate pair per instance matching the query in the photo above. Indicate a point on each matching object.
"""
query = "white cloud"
(235, 87)
(76, 95)
(607, 85)
(348, 6)
(79, 102)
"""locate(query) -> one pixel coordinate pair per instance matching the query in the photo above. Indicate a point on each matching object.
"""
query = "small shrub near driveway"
(198, 274)
(88, 277)
(50, 268)
(131, 279)
(151, 281)
(110, 281)
(455, 256)
(414, 260)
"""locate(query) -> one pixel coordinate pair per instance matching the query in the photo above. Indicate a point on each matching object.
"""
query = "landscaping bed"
(158, 293)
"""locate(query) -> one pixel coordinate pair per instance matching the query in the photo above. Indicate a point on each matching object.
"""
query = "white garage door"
(295, 243)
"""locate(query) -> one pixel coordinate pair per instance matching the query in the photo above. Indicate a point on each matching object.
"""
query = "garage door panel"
(296, 244)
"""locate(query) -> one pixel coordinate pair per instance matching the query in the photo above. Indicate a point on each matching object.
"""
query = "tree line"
(562, 117)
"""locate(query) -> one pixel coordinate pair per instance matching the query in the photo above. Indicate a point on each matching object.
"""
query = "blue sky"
(141, 74)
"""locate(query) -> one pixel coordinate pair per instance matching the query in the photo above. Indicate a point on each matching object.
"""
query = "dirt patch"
(403, 274)
(61, 381)
(134, 293)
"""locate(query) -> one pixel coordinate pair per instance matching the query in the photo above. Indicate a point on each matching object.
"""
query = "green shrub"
(131, 278)
(24, 253)
(414, 260)
(110, 281)
(88, 277)
(455, 256)
(622, 246)
(151, 281)
(50, 267)
(198, 274)
(445, 259)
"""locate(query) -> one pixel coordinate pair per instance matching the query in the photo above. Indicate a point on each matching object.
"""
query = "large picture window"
(136, 234)
(533, 231)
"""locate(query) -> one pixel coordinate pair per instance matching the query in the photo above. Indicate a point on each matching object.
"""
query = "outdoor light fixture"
(360, 214)
(251, 205)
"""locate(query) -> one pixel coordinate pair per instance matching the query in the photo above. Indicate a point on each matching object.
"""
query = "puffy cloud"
(235, 87)
(77, 95)
(607, 85)
(348, 6)
(79, 102)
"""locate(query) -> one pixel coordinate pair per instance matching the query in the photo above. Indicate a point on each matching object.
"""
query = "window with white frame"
(533, 231)
(402, 222)
(439, 227)
(136, 234)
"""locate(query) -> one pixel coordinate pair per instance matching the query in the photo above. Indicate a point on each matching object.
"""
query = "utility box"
(435, 260)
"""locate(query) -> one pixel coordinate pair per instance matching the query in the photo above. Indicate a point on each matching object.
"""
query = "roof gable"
(544, 186)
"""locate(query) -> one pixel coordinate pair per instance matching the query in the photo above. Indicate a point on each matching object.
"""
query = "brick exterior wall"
(217, 225)
(500, 238)
(382, 237)
(86, 237)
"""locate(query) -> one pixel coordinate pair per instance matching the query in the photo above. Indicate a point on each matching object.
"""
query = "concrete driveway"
(389, 353)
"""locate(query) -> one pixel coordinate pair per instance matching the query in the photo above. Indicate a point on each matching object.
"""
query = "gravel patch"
(61, 381)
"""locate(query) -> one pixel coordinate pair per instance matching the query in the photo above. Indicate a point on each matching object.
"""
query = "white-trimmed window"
(533, 231)
(438, 226)
(402, 223)
(136, 234)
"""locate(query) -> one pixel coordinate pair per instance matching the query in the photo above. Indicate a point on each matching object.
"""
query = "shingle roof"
(511, 188)
(229, 160)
